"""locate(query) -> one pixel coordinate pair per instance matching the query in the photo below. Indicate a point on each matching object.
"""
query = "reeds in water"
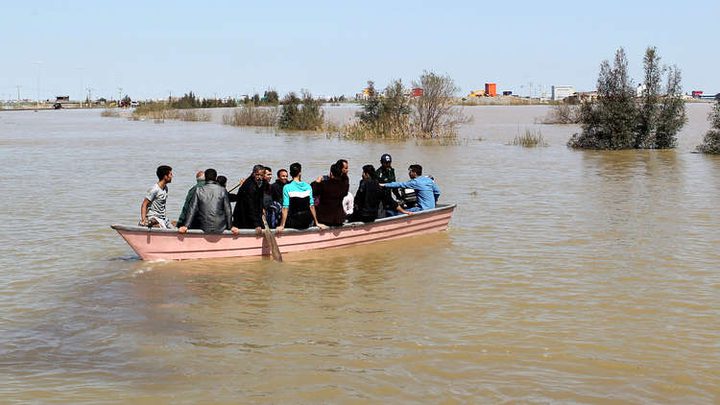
(110, 112)
(251, 116)
(530, 139)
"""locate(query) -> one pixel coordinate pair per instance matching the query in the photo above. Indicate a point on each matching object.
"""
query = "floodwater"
(566, 276)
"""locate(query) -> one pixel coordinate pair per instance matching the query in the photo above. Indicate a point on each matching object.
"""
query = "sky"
(154, 49)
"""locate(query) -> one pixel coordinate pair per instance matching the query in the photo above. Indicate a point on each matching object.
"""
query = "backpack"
(273, 212)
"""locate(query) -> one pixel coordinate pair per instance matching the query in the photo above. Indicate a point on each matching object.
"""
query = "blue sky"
(228, 48)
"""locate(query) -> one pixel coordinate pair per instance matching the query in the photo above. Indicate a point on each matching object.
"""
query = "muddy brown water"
(565, 276)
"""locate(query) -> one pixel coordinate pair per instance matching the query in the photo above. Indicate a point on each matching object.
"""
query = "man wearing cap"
(386, 174)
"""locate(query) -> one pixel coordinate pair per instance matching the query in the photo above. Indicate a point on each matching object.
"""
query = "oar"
(235, 188)
(271, 240)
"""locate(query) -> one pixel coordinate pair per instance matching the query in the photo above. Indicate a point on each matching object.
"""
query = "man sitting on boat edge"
(426, 190)
(298, 204)
(152, 209)
(209, 207)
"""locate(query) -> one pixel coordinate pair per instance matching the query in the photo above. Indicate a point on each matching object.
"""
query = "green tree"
(609, 121)
(385, 115)
(271, 97)
(617, 120)
(711, 141)
(370, 106)
(304, 114)
(649, 108)
(672, 116)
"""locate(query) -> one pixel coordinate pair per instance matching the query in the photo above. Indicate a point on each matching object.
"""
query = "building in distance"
(561, 92)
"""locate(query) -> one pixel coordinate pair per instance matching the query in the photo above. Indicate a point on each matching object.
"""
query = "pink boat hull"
(159, 244)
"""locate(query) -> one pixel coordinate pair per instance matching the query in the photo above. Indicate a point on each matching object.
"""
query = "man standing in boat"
(249, 206)
(426, 190)
(298, 204)
(152, 209)
(209, 207)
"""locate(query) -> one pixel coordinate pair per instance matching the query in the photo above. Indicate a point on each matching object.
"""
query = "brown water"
(566, 276)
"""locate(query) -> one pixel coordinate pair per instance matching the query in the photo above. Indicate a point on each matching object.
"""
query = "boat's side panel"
(174, 246)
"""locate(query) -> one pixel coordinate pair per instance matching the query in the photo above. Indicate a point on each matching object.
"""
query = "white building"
(561, 92)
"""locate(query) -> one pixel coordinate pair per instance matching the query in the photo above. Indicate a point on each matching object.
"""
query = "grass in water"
(110, 112)
(251, 116)
(160, 112)
(530, 139)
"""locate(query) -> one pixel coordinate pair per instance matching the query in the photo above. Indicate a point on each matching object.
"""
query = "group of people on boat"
(290, 202)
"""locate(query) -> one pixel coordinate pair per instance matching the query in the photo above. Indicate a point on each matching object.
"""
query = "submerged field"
(566, 276)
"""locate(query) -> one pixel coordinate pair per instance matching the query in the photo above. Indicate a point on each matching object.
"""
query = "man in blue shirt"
(426, 190)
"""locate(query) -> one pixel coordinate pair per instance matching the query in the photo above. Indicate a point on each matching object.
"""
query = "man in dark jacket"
(370, 198)
(386, 174)
(209, 207)
(276, 189)
(330, 193)
(249, 207)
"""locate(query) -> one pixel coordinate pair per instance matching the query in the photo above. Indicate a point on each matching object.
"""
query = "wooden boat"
(168, 244)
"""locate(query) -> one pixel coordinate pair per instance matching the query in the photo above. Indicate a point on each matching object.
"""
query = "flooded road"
(565, 276)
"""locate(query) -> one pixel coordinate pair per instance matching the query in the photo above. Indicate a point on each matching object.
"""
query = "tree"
(301, 114)
(616, 120)
(649, 106)
(433, 114)
(671, 117)
(270, 97)
(370, 112)
(711, 141)
(609, 121)
(385, 115)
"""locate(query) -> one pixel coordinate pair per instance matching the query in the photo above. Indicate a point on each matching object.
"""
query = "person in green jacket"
(199, 182)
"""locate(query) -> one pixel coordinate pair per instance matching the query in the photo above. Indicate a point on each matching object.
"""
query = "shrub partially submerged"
(159, 111)
(711, 141)
(620, 120)
(563, 114)
(530, 139)
(299, 114)
(110, 112)
(394, 115)
(251, 116)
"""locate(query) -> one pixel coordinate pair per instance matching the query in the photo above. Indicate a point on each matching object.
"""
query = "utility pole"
(18, 89)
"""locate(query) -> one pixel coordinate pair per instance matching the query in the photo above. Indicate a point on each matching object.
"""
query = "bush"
(160, 111)
(301, 114)
(191, 115)
(383, 116)
(110, 112)
(153, 110)
(251, 116)
(563, 114)
(711, 141)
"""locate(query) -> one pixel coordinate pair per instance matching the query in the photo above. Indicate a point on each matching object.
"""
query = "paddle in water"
(271, 240)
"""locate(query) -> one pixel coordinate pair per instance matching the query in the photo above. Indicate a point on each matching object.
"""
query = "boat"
(168, 244)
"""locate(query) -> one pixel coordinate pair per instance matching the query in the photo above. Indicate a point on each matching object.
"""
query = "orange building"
(490, 89)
